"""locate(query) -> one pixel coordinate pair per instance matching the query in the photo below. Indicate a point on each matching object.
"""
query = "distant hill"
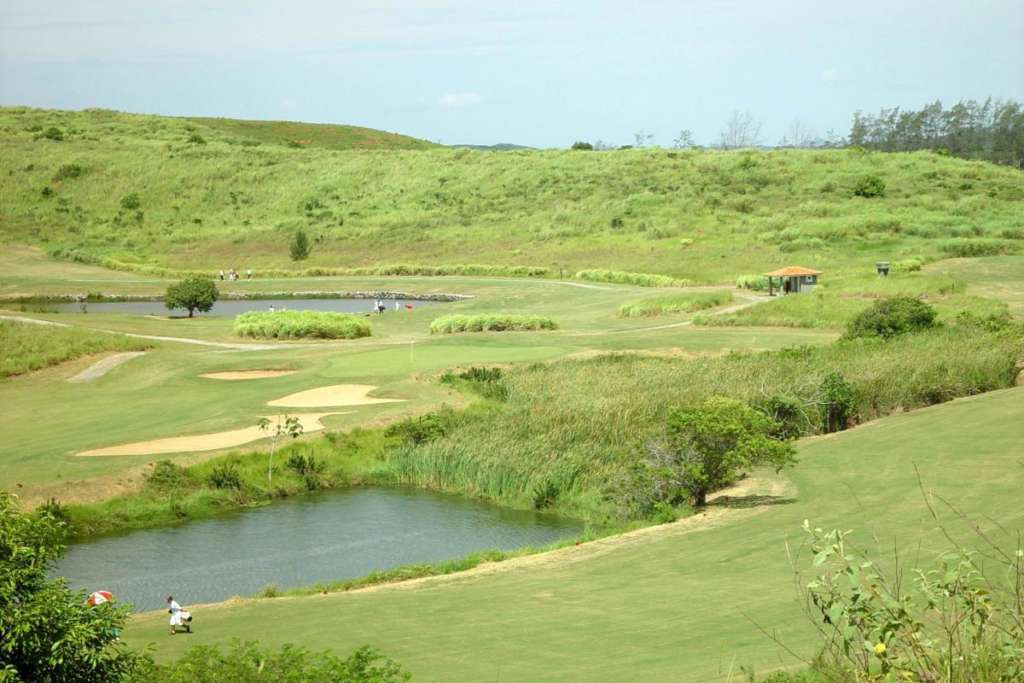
(500, 147)
(325, 135)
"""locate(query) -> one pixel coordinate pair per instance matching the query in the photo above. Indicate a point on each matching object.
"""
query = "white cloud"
(460, 99)
(830, 75)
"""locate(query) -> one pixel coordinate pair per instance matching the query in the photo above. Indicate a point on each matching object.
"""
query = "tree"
(685, 140)
(299, 248)
(706, 448)
(743, 129)
(194, 293)
(799, 135)
(583, 146)
(48, 632)
(642, 138)
(285, 426)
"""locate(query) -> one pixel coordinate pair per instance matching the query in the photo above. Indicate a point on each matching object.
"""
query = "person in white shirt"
(175, 610)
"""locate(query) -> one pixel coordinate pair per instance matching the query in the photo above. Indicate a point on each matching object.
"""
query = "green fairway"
(677, 602)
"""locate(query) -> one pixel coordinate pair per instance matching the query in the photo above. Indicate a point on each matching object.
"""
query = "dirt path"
(104, 365)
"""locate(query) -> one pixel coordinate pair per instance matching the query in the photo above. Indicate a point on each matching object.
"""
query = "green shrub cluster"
(758, 283)
(25, 347)
(626, 278)
(968, 248)
(300, 325)
(888, 318)
(675, 303)
(869, 186)
(490, 322)
(910, 265)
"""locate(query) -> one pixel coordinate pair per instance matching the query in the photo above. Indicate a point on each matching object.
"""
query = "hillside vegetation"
(297, 134)
(180, 193)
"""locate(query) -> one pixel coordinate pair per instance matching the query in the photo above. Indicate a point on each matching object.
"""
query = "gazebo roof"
(790, 271)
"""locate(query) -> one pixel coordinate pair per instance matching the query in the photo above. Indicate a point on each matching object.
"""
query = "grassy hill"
(297, 134)
(203, 194)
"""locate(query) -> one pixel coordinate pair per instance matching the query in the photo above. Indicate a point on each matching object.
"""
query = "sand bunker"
(248, 374)
(205, 442)
(334, 395)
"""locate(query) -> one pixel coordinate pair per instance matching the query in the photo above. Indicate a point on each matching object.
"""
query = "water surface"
(235, 306)
(322, 537)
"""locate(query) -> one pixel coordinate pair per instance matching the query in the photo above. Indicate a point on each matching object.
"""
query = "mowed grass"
(26, 346)
(680, 605)
(689, 215)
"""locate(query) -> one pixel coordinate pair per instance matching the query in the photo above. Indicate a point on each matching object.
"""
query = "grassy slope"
(25, 347)
(675, 606)
(323, 135)
(708, 216)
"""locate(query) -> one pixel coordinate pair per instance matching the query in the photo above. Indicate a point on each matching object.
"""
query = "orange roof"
(789, 271)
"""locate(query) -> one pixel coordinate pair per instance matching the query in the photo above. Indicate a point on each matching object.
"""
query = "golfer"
(175, 610)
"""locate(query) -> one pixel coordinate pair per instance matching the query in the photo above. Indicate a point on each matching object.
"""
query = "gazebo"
(792, 280)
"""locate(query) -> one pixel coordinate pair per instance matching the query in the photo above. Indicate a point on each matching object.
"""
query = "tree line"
(991, 130)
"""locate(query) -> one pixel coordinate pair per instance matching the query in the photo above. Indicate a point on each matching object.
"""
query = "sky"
(533, 72)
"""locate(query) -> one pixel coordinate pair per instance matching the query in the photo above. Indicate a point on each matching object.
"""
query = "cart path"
(105, 365)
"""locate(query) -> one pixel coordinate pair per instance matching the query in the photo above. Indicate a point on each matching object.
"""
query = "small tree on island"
(284, 426)
(299, 248)
(708, 447)
(194, 293)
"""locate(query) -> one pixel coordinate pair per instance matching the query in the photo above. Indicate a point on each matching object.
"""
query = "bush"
(68, 171)
(167, 475)
(970, 248)
(838, 399)
(196, 139)
(626, 278)
(490, 322)
(417, 430)
(910, 265)
(53, 133)
(758, 283)
(194, 293)
(305, 465)
(890, 317)
(869, 187)
(250, 663)
(585, 146)
(131, 201)
(300, 325)
(225, 476)
(300, 247)
(676, 303)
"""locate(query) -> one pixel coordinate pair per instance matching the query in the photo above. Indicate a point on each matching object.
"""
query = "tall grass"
(626, 278)
(674, 303)
(490, 322)
(25, 347)
(598, 413)
(300, 325)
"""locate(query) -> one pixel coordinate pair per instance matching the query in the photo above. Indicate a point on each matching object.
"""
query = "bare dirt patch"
(238, 375)
(204, 442)
(336, 395)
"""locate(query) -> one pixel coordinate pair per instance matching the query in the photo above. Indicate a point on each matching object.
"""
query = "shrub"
(954, 622)
(417, 430)
(300, 324)
(490, 322)
(758, 283)
(890, 317)
(68, 171)
(626, 278)
(676, 303)
(167, 475)
(869, 186)
(300, 247)
(584, 146)
(304, 465)
(225, 476)
(46, 192)
(53, 133)
(194, 293)
(969, 248)
(910, 265)
(131, 201)
(250, 663)
(196, 139)
(838, 399)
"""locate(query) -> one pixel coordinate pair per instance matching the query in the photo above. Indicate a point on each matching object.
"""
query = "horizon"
(460, 72)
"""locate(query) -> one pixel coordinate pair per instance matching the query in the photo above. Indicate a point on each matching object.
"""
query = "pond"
(321, 537)
(235, 306)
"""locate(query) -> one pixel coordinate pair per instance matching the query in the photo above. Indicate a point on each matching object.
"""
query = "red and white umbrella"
(99, 597)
